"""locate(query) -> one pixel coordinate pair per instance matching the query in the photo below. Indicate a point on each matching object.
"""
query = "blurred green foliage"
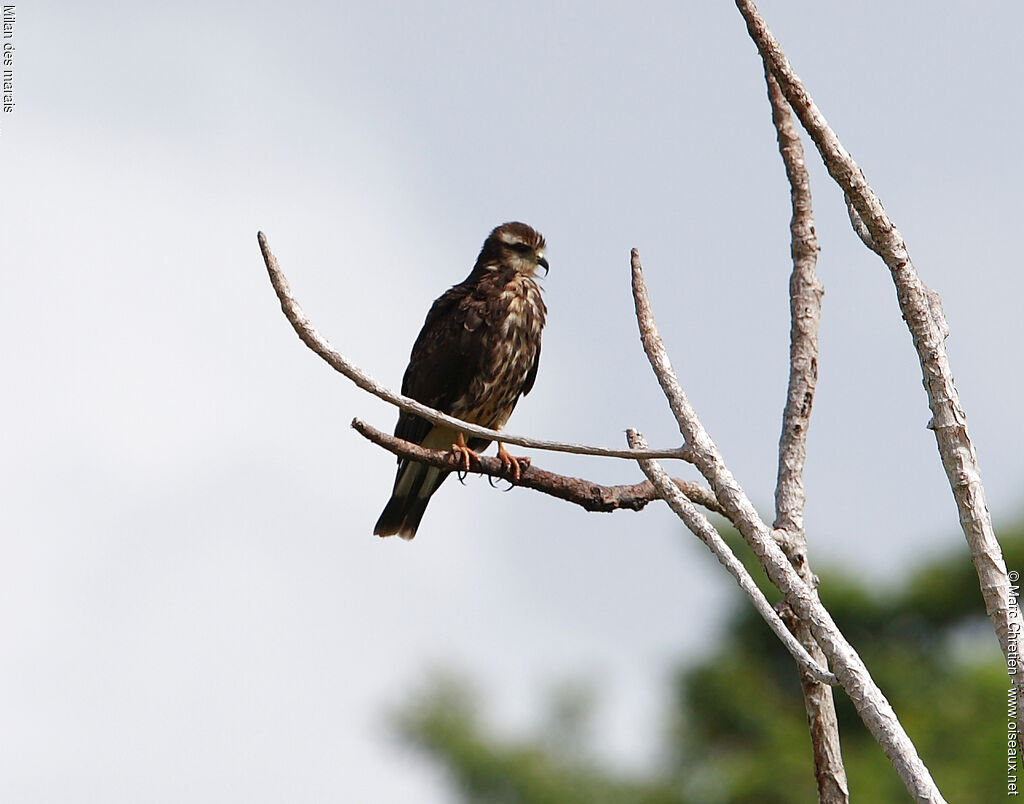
(736, 730)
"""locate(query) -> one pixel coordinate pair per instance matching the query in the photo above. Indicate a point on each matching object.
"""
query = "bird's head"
(516, 246)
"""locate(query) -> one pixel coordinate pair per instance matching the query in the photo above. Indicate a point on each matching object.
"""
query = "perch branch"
(927, 328)
(588, 495)
(805, 292)
(853, 675)
(705, 531)
(305, 330)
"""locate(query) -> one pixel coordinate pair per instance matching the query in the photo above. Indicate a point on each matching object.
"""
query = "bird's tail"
(414, 484)
(413, 488)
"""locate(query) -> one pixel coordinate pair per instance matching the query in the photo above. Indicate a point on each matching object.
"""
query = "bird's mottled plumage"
(476, 355)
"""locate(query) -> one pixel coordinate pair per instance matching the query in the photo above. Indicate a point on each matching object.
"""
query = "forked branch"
(699, 525)
(591, 496)
(584, 493)
(853, 675)
(922, 313)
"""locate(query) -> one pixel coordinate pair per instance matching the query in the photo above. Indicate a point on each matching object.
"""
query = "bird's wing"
(531, 376)
(444, 357)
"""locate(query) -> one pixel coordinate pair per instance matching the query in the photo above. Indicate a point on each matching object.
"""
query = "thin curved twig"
(584, 493)
(853, 675)
(705, 531)
(927, 328)
(337, 361)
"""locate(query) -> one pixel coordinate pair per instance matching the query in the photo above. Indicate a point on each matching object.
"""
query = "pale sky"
(192, 605)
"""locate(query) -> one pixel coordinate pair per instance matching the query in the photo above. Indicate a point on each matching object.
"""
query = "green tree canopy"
(736, 729)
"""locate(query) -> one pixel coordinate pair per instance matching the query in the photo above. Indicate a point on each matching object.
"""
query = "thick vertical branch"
(872, 706)
(805, 292)
(949, 422)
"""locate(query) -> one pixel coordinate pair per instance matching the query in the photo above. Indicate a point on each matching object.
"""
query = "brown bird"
(476, 355)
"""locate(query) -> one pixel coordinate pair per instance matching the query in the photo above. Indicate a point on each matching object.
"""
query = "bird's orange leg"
(465, 453)
(513, 466)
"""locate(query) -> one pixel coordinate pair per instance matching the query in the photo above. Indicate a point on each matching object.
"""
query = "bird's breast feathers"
(522, 308)
(510, 349)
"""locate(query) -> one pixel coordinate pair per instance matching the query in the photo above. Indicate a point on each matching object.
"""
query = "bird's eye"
(521, 248)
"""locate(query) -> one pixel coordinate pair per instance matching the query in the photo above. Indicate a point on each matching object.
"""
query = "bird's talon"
(465, 455)
(513, 466)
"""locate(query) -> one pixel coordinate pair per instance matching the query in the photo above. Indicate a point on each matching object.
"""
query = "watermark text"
(7, 60)
(1012, 666)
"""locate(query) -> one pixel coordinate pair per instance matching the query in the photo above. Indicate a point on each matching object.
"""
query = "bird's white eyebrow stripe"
(510, 239)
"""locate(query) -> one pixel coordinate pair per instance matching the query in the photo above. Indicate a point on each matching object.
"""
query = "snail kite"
(475, 356)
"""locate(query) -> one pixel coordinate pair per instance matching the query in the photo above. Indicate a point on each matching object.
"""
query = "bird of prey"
(475, 356)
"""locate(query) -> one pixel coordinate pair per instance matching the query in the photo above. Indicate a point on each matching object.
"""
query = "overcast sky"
(192, 605)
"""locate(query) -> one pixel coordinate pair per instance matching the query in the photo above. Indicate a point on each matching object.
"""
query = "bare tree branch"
(853, 675)
(584, 493)
(705, 531)
(805, 292)
(337, 361)
(949, 422)
(815, 641)
(859, 227)
(829, 770)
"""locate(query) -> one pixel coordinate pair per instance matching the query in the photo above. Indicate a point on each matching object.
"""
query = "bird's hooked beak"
(543, 263)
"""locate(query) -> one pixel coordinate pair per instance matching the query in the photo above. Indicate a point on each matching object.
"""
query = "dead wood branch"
(928, 331)
(705, 531)
(853, 675)
(584, 493)
(805, 292)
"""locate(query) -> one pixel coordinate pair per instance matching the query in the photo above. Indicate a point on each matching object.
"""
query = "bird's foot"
(466, 456)
(513, 466)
